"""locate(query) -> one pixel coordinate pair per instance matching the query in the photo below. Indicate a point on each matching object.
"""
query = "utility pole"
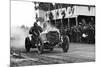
(61, 20)
(54, 5)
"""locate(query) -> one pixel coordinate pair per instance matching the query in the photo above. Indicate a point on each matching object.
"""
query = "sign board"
(71, 11)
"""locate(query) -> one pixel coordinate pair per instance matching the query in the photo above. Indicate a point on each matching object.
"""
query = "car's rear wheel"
(27, 44)
(65, 44)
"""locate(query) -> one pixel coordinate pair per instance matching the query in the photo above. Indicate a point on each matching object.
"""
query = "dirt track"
(76, 53)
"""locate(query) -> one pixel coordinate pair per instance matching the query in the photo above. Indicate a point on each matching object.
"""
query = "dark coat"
(35, 30)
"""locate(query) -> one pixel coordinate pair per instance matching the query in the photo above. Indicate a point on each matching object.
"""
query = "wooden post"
(61, 21)
(55, 15)
(49, 11)
(68, 23)
(76, 21)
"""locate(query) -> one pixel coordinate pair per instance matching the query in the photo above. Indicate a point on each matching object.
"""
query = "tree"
(23, 26)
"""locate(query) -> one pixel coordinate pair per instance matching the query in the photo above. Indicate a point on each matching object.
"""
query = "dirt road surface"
(77, 53)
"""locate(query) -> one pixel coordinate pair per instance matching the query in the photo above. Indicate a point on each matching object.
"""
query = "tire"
(65, 44)
(27, 44)
(40, 47)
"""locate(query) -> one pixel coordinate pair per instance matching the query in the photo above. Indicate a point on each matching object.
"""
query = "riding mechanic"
(35, 30)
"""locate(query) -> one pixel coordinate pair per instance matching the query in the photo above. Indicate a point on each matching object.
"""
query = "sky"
(23, 12)
(87, 2)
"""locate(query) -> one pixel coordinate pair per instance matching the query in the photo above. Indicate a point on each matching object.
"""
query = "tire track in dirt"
(54, 59)
(45, 59)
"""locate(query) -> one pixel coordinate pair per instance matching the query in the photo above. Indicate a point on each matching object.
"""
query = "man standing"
(35, 31)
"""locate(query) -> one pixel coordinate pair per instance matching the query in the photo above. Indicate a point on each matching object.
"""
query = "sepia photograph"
(45, 33)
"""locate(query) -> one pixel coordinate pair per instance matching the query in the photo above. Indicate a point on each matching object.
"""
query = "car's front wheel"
(27, 44)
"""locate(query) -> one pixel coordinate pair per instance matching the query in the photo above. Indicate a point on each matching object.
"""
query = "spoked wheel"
(27, 44)
(65, 44)
(40, 47)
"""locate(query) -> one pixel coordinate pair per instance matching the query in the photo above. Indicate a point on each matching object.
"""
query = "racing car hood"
(47, 29)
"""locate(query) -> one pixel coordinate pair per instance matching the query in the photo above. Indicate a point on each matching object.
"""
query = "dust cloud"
(17, 38)
(18, 35)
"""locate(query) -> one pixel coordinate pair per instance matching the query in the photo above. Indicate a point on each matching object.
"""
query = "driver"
(35, 31)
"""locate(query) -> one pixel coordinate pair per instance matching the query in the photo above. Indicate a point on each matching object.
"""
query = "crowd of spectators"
(84, 33)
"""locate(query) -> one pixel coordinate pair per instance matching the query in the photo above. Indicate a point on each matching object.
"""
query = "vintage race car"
(47, 40)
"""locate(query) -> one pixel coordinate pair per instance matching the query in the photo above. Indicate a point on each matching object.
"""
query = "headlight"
(84, 35)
